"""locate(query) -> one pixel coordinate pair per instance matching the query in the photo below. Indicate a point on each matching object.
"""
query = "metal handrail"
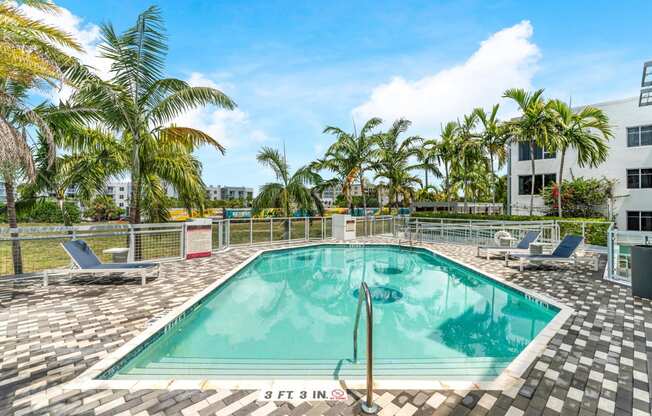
(368, 406)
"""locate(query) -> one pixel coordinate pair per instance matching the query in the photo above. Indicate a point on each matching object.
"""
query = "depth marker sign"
(310, 394)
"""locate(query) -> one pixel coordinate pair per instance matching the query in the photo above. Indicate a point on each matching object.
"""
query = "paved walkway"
(598, 364)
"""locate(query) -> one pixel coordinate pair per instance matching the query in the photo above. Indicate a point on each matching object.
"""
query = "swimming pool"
(290, 314)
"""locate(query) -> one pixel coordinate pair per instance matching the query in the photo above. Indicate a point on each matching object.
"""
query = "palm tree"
(292, 189)
(468, 153)
(494, 141)
(534, 126)
(139, 106)
(428, 155)
(447, 153)
(391, 160)
(16, 159)
(587, 131)
(30, 49)
(352, 150)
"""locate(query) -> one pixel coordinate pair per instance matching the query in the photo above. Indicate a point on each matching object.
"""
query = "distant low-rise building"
(236, 192)
(120, 192)
(3, 193)
(214, 192)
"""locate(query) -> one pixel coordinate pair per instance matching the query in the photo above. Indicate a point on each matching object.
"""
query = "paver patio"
(598, 364)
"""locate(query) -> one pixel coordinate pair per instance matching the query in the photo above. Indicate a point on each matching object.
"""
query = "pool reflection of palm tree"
(476, 334)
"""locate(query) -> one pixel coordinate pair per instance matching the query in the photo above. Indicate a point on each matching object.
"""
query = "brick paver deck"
(598, 364)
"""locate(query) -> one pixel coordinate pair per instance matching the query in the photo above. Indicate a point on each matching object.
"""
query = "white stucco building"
(218, 192)
(120, 192)
(629, 163)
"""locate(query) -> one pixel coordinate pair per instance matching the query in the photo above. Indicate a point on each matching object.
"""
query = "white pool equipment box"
(343, 227)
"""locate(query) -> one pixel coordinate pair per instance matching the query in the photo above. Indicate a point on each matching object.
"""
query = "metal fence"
(619, 244)
(251, 231)
(40, 247)
(476, 232)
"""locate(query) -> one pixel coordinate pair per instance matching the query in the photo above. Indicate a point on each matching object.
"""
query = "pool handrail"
(368, 406)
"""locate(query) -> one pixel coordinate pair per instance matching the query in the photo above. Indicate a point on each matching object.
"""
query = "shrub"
(44, 211)
(580, 197)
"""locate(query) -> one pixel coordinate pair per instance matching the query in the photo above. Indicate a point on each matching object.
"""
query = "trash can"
(642, 271)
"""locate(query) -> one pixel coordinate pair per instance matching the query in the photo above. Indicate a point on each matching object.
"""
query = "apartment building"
(120, 192)
(629, 163)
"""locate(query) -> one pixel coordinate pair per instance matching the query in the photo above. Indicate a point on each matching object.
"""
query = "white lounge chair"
(86, 262)
(522, 247)
(565, 252)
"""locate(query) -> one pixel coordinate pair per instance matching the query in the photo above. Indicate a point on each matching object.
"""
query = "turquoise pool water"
(290, 314)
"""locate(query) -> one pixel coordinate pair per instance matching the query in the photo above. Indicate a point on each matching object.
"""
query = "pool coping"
(508, 378)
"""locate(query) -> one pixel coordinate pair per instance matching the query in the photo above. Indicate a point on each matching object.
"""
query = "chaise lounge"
(84, 261)
(563, 253)
(522, 247)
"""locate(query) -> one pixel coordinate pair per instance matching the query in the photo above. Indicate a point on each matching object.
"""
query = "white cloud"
(86, 34)
(232, 129)
(507, 59)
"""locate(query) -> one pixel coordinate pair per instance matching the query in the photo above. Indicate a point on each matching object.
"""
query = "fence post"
(584, 231)
(323, 227)
(306, 228)
(228, 232)
(132, 243)
(271, 230)
(220, 236)
(182, 240)
(251, 231)
(289, 229)
(610, 254)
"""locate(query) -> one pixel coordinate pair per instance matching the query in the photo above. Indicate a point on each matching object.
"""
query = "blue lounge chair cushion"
(564, 250)
(530, 237)
(82, 254)
(568, 245)
(84, 257)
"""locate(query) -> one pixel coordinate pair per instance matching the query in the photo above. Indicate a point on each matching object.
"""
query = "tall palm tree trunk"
(16, 254)
(493, 178)
(448, 191)
(532, 156)
(559, 181)
(426, 172)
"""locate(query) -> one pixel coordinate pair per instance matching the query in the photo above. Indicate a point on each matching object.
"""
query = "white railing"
(252, 231)
(619, 243)
(476, 232)
(40, 246)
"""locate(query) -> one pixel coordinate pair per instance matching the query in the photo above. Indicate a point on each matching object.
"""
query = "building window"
(121, 204)
(639, 178)
(639, 136)
(639, 220)
(647, 75)
(539, 152)
(122, 188)
(646, 97)
(540, 181)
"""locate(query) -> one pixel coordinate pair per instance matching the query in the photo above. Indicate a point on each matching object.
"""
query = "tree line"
(466, 156)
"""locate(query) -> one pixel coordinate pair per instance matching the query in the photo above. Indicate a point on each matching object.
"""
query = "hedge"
(43, 212)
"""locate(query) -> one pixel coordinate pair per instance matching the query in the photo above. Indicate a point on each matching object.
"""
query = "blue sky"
(295, 67)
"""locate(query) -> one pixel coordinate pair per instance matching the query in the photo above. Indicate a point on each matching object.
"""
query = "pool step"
(460, 368)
